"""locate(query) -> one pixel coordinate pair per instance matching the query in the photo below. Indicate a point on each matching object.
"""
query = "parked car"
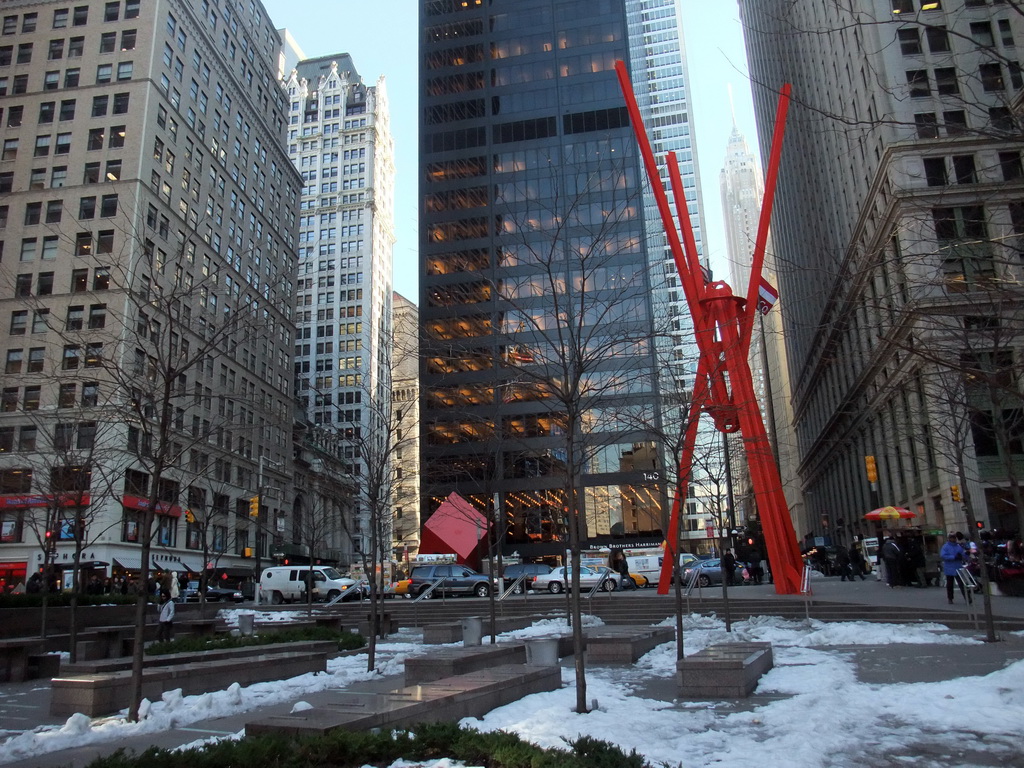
(708, 572)
(214, 594)
(456, 580)
(559, 578)
(287, 583)
(513, 572)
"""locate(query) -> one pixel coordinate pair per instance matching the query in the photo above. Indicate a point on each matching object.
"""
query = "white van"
(283, 584)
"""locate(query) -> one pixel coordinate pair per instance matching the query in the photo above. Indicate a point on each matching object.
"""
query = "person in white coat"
(166, 631)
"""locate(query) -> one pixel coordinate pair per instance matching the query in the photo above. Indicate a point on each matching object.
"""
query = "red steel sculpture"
(723, 324)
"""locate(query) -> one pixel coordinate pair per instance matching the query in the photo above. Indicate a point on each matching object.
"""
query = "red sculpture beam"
(724, 385)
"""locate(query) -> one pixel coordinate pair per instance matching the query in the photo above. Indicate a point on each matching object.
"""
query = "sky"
(797, 722)
(381, 37)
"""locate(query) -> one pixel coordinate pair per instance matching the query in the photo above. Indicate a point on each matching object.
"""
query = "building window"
(992, 77)
(19, 323)
(97, 316)
(36, 357)
(946, 82)
(74, 318)
(1010, 164)
(66, 397)
(917, 82)
(30, 400)
(27, 438)
(910, 41)
(72, 357)
(40, 320)
(44, 284)
(79, 280)
(15, 357)
(938, 39)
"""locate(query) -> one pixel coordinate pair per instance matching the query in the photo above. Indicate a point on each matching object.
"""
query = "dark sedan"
(214, 594)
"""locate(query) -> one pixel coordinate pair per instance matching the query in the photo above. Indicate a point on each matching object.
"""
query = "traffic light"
(872, 468)
(189, 517)
(955, 491)
(49, 535)
(978, 524)
(254, 507)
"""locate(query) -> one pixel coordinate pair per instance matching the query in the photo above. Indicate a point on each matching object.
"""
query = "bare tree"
(158, 322)
(577, 338)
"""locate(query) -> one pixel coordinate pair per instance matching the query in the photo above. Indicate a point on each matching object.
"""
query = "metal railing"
(511, 590)
(427, 593)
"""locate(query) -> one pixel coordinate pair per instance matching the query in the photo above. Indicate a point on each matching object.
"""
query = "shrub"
(348, 749)
(62, 599)
(347, 641)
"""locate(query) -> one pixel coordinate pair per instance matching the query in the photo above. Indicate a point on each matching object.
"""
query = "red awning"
(142, 503)
(23, 500)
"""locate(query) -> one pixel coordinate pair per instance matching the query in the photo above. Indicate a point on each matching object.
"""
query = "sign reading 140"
(652, 475)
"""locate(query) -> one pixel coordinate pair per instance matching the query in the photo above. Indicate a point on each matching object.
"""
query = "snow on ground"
(817, 713)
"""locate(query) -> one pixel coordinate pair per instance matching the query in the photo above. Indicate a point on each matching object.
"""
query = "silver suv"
(457, 580)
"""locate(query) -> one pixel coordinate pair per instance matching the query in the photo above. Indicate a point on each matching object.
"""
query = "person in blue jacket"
(953, 559)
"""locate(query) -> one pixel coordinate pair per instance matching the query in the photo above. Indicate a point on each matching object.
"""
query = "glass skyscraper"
(536, 283)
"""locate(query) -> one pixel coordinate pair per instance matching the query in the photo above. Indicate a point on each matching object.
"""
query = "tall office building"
(660, 78)
(339, 139)
(742, 189)
(896, 224)
(147, 231)
(406, 420)
(533, 220)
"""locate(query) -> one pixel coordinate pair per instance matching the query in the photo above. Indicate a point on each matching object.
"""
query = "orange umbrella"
(889, 513)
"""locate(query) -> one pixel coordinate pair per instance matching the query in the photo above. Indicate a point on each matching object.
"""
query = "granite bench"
(439, 634)
(448, 699)
(624, 644)
(15, 653)
(727, 671)
(105, 693)
(448, 662)
(93, 667)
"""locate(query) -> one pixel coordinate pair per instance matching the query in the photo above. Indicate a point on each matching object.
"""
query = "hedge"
(348, 749)
(347, 641)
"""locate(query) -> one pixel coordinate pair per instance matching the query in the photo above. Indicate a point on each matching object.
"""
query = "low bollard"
(472, 630)
(246, 623)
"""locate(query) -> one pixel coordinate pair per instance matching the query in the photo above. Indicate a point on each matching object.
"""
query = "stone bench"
(448, 699)
(448, 662)
(173, 659)
(105, 693)
(440, 634)
(43, 665)
(199, 627)
(727, 671)
(15, 653)
(385, 626)
(624, 644)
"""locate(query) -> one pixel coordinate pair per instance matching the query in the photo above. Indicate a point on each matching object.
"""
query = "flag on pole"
(766, 297)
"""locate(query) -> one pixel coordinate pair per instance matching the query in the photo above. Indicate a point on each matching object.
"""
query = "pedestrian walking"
(953, 559)
(729, 566)
(166, 630)
(856, 560)
(843, 564)
(891, 556)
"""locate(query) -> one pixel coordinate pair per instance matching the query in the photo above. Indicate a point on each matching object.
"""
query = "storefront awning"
(129, 562)
(177, 563)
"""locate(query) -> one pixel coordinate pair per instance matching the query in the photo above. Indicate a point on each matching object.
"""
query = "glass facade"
(535, 305)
